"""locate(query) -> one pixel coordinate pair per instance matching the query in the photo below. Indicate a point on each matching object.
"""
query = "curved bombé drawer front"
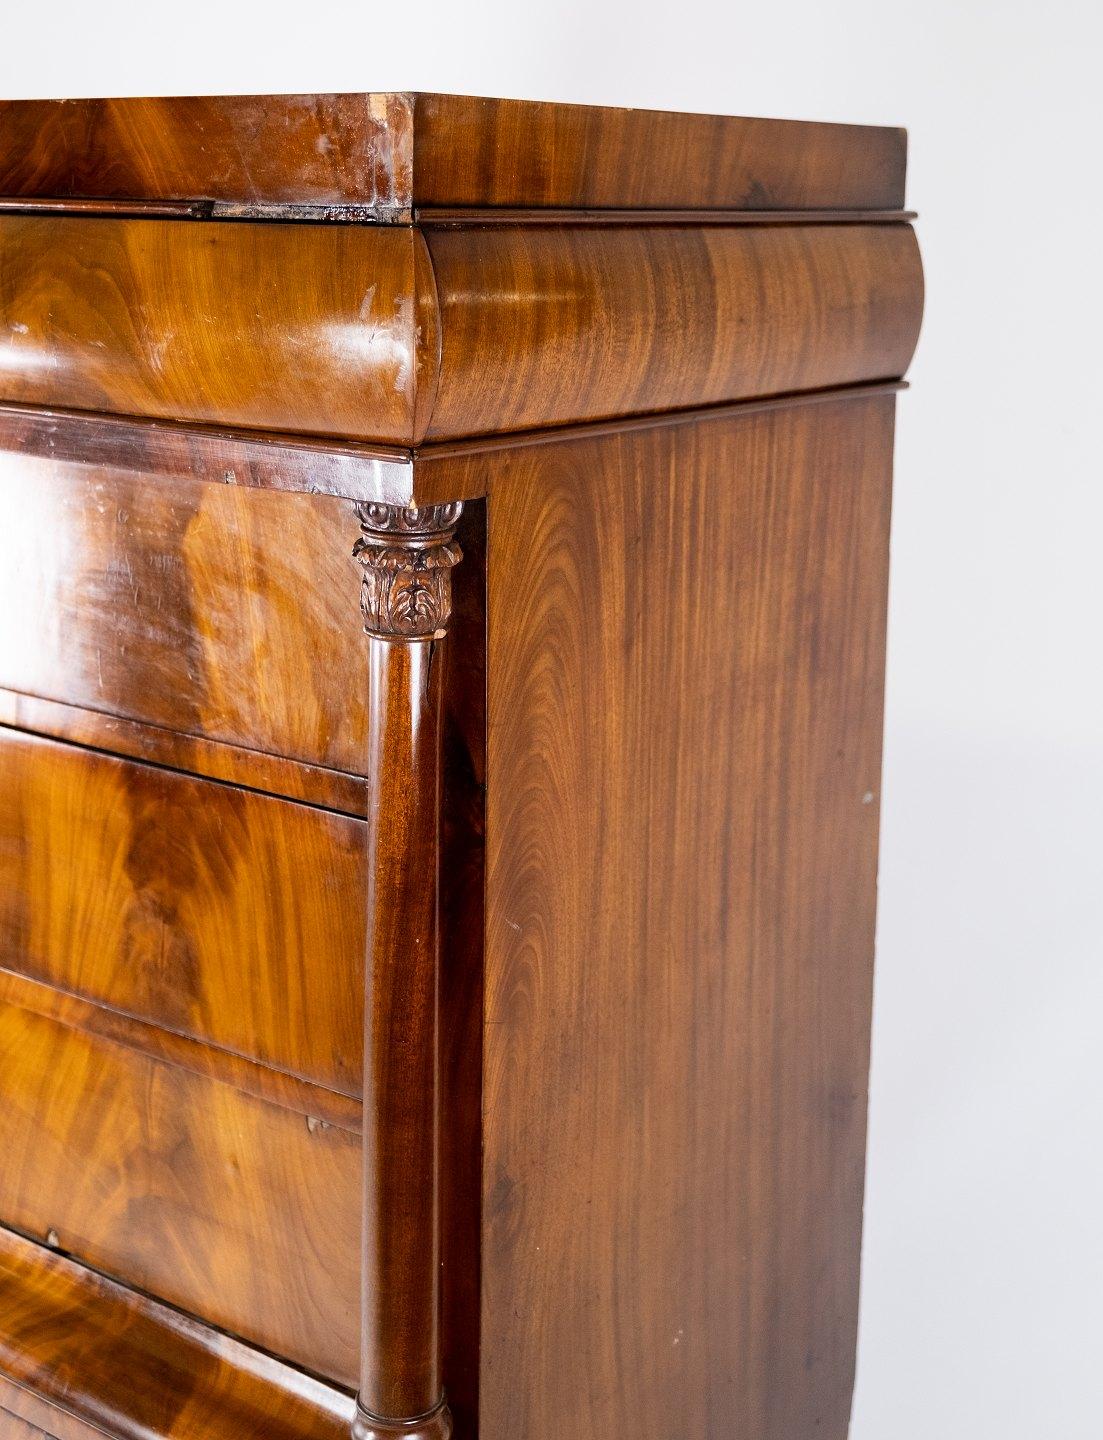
(307, 328)
(211, 609)
(396, 335)
(209, 912)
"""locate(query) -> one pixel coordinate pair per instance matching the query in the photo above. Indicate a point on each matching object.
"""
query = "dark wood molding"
(439, 216)
(407, 557)
(430, 217)
(52, 439)
(429, 459)
(132, 209)
(63, 441)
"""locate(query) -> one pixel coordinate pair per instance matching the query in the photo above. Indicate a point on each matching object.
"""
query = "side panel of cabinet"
(686, 648)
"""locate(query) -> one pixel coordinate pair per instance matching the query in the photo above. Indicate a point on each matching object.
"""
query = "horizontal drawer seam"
(44, 733)
(338, 1109)
(495, 441)
(185, 1320)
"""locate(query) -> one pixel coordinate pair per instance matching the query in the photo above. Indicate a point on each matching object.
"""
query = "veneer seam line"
(196, 1329)
(212, 1046)
(124, 758)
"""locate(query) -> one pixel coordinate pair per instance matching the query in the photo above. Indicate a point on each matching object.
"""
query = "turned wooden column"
(407, 556)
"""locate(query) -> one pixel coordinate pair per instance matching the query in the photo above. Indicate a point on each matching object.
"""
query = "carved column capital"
(407, 555)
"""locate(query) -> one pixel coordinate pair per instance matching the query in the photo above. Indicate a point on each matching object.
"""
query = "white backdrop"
(983, 1261)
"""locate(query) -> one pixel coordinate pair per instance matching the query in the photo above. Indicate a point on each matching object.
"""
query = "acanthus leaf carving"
(407, 554)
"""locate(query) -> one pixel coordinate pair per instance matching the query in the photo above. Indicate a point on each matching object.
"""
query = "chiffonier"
(443, 551)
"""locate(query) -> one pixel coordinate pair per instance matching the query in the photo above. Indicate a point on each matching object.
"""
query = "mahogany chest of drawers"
(443, 552)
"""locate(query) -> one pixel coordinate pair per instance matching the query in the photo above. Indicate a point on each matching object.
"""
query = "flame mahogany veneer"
(443, 559)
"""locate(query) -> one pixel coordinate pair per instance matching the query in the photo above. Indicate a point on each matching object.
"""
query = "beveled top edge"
(381, 154)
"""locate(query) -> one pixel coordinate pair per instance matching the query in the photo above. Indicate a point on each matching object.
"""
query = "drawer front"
(622, 320)
(12, 1428)
(377, 334)
(231, 1208)
(203, 608)
(298, 328)
(135, 1369)
(217, 913)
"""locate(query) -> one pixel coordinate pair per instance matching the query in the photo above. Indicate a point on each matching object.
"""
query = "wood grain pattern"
(223, 915)
(474, 151)
(313, 328)
(205, 1197)
(462, 891)
(64, 1425)
(580, 324)
(400, 1373)
(686, 639)
(12, 1428)
(58, 441)
(278, 1087)
(376, 156)
(226, 613)
(408, 558)
(85, 1357)
(244, 149)
(212, 324)
(249, 769)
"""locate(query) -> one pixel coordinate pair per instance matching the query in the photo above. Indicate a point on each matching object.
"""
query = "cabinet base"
(435, 1424)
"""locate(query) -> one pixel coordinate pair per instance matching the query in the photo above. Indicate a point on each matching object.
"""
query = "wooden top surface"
(382, 157)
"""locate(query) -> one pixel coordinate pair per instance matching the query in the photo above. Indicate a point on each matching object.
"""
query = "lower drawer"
(217, 913)
(12, 1428)
(232, 1208)
(83, 1358)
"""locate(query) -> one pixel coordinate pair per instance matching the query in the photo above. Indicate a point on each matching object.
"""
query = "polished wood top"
(380, 157)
